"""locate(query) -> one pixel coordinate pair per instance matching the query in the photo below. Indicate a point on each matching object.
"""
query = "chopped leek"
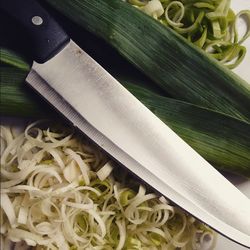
(64, 196)
(204, 23)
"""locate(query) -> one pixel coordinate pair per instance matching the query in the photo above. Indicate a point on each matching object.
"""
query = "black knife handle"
(47, 37)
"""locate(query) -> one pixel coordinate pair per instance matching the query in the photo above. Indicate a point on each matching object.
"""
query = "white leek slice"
(8, 208)
(105, 171)
(153, 8)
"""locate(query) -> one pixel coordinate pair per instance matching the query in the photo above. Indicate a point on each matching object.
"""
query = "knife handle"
(47, 37)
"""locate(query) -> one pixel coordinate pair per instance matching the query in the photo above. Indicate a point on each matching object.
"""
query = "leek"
(219, 138)
(179, 68)
(46, 210)
(15, 99)
(215, 14)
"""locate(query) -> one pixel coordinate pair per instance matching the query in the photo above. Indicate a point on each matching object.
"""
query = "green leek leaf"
(178, 67)
(221, 139)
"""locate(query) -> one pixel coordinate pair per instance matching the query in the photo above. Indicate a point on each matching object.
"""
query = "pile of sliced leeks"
(210, 25)
(58, 192)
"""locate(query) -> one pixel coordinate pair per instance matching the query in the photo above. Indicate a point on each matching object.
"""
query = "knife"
(98, 105)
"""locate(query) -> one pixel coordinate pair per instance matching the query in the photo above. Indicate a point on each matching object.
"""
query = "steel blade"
(112, 117)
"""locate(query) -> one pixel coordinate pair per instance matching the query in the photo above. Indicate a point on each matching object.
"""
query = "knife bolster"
(46, 36)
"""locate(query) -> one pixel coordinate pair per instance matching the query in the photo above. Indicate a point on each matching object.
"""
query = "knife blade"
(93, 101)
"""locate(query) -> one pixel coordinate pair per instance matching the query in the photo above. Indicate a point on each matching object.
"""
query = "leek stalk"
(178, 67)
(221, 139)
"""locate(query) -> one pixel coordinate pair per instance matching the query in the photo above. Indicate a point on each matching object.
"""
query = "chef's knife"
(106, 112)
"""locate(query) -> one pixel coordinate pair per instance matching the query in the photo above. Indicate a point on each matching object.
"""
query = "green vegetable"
(222, 140)
(212, 22)
(7, 57)
(178, 67)
(15, 97)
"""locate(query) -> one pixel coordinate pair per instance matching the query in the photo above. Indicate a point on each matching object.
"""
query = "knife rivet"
(37, 20)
